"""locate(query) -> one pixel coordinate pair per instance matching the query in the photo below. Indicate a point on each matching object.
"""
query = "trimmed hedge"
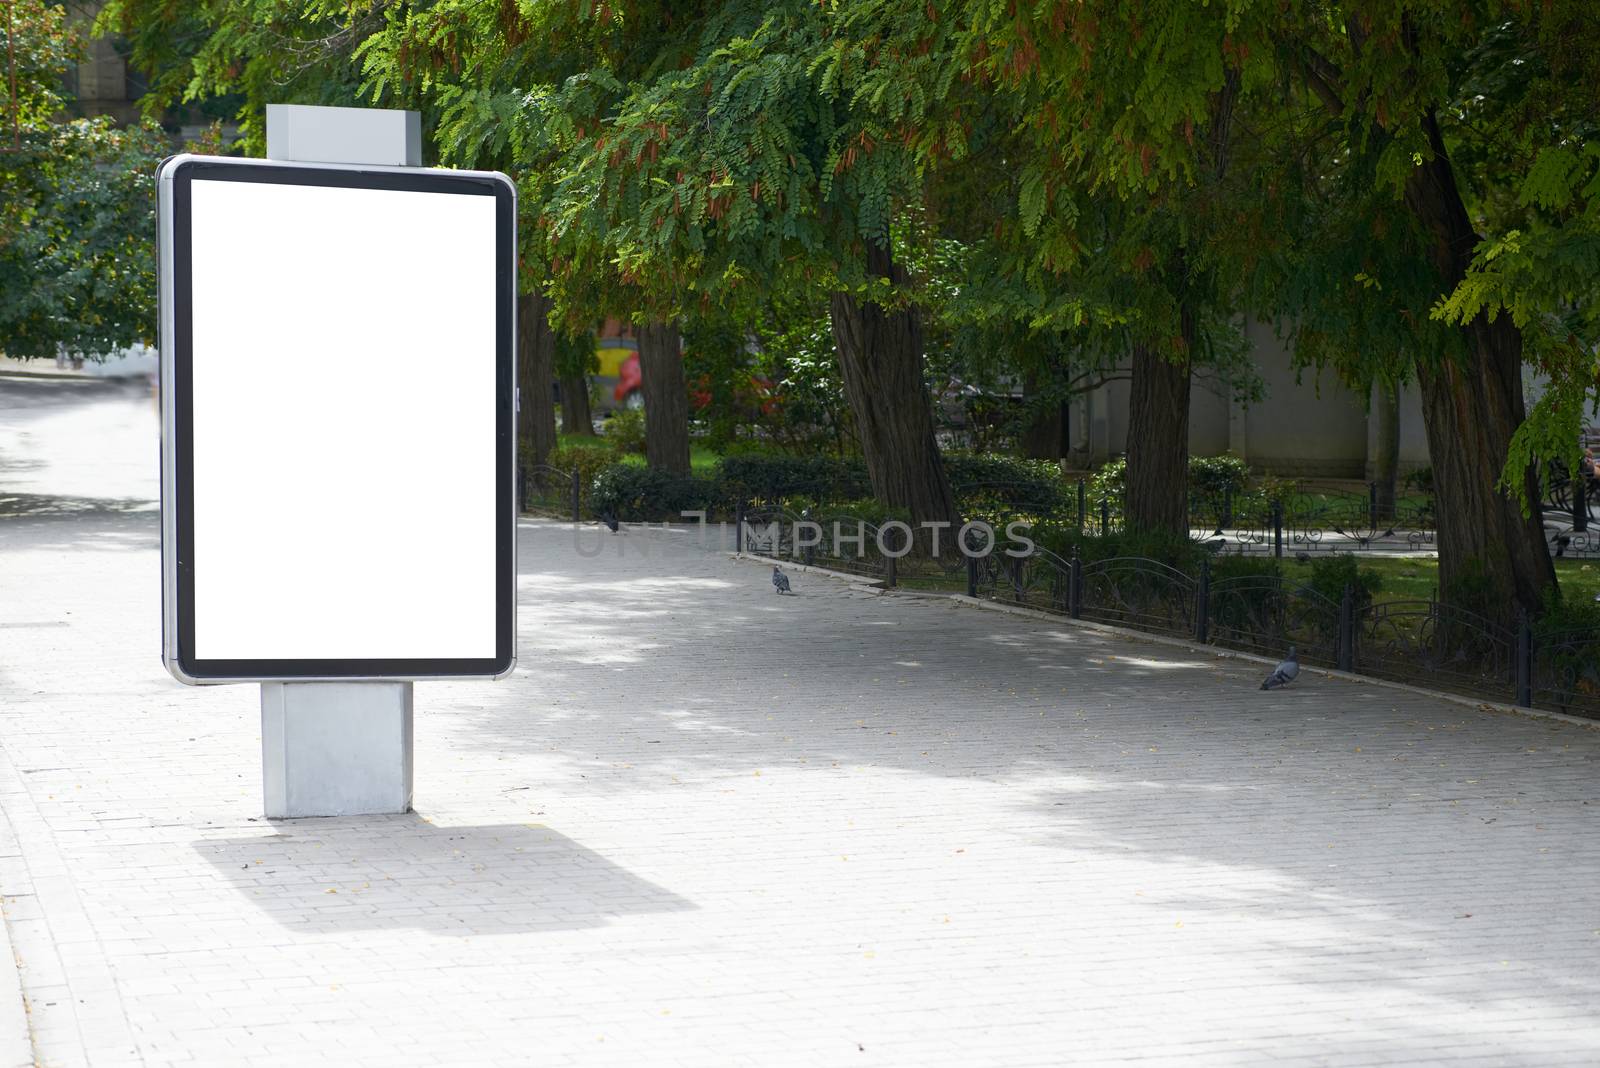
(772, 478)
(1208, 476)
(1174, 550)
(1025, 485)
(1032, 486)
(632, 493)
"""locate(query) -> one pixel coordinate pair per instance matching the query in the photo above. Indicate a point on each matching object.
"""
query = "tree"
(717, 164)
(77, 222)
(1380, 138)
(264, 52)
(536, 356)
(574, 361)
(1115, 239)
(666, 412)
(1453, 114)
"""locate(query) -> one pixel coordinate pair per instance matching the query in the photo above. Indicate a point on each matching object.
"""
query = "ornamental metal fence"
(1428, 643)
(550, 491)
(1307, 523)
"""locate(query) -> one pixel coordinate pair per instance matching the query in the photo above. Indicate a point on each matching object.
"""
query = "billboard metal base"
(336, 748)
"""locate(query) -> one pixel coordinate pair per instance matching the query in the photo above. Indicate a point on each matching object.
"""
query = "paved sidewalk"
(705, 825)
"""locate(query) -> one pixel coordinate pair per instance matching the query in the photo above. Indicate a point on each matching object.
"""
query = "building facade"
(1308, 424)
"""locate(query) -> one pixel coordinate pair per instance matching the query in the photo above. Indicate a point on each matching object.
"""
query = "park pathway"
(705, 825)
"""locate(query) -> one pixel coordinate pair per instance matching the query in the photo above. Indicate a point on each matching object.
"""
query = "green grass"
(1408, 578)
(580, 441)
(702, 461)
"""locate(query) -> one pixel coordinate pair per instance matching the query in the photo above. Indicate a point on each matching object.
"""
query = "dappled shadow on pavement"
(1337, 836)
(379, 872)
(91, 530)
(19, 505)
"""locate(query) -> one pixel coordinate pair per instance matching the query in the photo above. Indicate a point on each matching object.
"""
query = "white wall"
(1308, 424)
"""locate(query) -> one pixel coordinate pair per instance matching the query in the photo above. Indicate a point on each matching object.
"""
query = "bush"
(1420, 480)
(625, 430)
(991, 482)
(1213, 475)
(1332, 573)
(1109, 483)
(1566, 639)
(1564, 615)
(587, 460)
(981, 483)
(632, 493)
(772, 478)
(1208, 475)
(1247, 595)
(1174, 550)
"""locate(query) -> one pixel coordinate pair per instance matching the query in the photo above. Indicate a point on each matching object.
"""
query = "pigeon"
(1284, 673)
(1303, 557)
(780, 581)
(610, 520)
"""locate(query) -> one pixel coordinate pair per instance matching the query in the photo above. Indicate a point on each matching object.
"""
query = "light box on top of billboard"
(338, 414)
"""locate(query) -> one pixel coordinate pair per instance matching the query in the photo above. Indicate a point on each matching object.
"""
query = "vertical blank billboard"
(338, 402)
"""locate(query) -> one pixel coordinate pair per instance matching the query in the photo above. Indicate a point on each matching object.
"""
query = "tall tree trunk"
(880, 357)
(536, 353)
(1157, 474)
(1472, 406)
(1045, 435)
(1158, 443)
(1386, 461)
(576, 416)
(666, 398)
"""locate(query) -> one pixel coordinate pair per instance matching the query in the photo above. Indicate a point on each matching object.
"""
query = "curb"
(1129, 634)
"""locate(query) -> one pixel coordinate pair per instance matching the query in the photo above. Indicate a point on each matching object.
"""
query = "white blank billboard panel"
(344, 422)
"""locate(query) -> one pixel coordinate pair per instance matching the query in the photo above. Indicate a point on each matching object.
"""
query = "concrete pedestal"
(336, 748)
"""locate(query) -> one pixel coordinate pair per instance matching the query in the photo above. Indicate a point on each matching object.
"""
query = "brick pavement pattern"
(706, 825)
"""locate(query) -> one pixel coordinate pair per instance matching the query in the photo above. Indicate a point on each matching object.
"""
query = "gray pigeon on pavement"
(780, 581)
(1284, 673)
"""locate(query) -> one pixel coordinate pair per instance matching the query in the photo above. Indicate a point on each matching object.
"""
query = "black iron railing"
(1428, 643)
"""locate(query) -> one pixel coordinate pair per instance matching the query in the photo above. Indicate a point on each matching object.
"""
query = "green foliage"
(1108, 483)
(1208, 476)
(1566, 639)
(587, 460)
(797, 357)
(77, 220)
(774, 478)
(1061, 181)
(1564, 616)
(633, 493)
(624, 429)
(824, 510)
(575, 355)
(1216, 474)
(1175, 551)
(1331, 574)
(1004, 484)
(41, 49)
(992, 485)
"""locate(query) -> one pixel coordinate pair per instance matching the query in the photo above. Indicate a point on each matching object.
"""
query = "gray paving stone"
(705, 825)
